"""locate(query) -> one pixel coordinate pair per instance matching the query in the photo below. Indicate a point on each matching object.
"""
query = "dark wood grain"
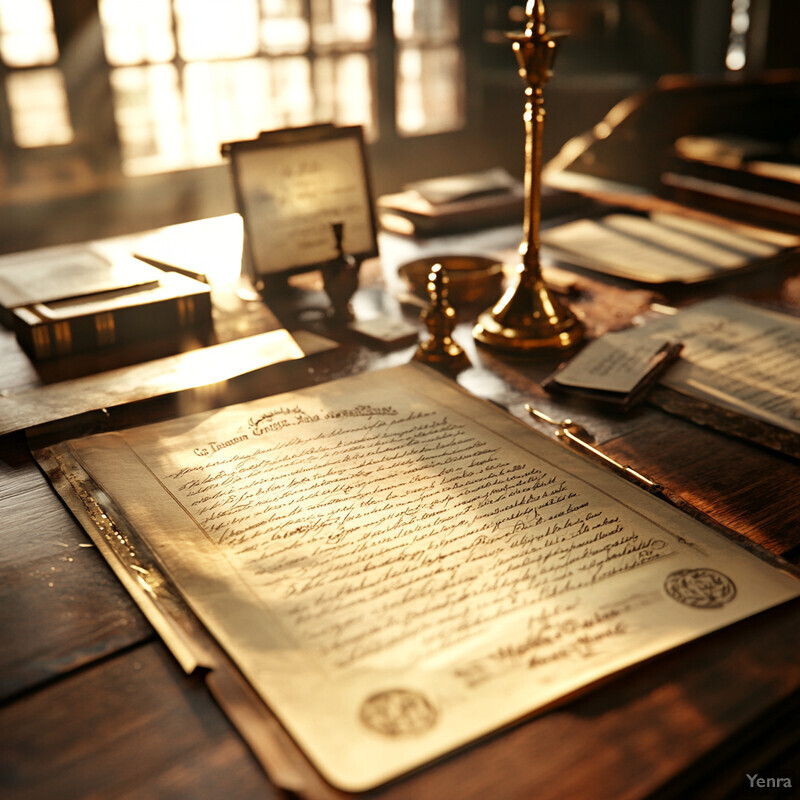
(62, 606)
(747, 488)
(130, 727)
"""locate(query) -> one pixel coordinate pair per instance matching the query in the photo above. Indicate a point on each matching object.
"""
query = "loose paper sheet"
(737, 356)
(616, 362)
(399, 568)
(656, 249)
(55, 273)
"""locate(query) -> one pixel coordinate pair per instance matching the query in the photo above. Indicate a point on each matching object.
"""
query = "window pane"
(27, 37)
(284, 27)
(345, 91)
(290, 100)
(37, 100)
(208, 29)
(230, 101)
(147, 108)
(425, 20)
(430, 93)
(137, 33)
(339, 23)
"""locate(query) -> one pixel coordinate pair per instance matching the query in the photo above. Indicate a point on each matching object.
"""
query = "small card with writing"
(616, 369)
(291, 185)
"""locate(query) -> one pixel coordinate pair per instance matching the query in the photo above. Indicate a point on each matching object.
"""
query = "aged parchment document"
(737, 356)
(399, 568)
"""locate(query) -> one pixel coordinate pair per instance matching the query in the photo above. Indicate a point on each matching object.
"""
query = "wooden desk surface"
(93, 705)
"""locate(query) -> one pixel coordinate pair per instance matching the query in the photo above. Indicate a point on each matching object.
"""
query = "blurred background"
(112, 112)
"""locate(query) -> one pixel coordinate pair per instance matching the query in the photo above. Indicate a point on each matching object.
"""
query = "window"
(37, 98)
(430, 68)
(188, 75)
(27, 34)
(260, 66)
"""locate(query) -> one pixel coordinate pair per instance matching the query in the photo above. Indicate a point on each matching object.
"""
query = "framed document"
(291, 186)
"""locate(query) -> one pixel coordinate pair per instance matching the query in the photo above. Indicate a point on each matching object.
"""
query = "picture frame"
(291, 186)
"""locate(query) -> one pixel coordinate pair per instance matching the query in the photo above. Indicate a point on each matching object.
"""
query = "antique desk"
(93, 704)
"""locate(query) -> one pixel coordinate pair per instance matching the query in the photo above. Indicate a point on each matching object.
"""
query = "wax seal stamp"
(398, 712)
(440, 350)
(700, 588)
(340, 278)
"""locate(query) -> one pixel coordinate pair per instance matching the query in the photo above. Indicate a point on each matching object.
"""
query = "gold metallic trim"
(41, 341)
(578, 435)
(186, 311)
(63, 336)
(105, 326)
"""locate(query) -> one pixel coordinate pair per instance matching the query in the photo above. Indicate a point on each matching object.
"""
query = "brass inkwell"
(528, 317)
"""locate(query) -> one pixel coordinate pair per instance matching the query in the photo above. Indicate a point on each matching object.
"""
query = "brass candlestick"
(528, 317)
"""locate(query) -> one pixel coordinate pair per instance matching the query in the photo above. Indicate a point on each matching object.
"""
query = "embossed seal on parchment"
(700, 588)
(398, 712)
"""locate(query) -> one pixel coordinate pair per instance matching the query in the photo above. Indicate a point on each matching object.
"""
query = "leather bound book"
(174, 307)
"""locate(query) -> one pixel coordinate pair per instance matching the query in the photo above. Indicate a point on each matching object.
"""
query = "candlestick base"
(526, 318)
